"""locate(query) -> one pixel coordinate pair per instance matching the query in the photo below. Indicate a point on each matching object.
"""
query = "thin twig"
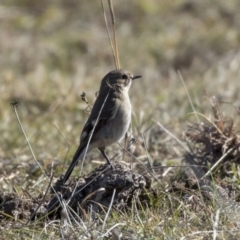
(75, 193)
(114, 32)
(215, 225)
(25, 135)
(68, 146)
(216, 163)
(91, 133)
(173, 136)
(188, 95)
(30, 147)
(147, 169)
(109, 37)
(215, 126)
(44, 197)
(109, 209)
(148, 157)
(111, 228)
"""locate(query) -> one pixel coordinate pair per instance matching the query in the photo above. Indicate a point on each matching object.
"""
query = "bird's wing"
(101, 113)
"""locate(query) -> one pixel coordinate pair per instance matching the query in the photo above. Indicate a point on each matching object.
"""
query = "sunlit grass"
(51, 52)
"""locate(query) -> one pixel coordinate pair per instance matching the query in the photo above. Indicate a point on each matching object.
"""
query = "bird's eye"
(124, 76)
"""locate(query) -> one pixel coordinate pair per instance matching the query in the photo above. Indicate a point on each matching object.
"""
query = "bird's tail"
(78, 155)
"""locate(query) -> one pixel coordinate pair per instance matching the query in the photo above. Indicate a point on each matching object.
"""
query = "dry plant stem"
(125, 145)
(91, 133)
(25, 191)
(216, 163)
(114, 32)
(215, 126)
(34, 157)
(84, 99)
(90, 137)
(109, 37)
(44, 197)
(64, 213)
(75, 193)
(91, 194)
(73, 216)
(216, 109)
(109, 209)
(195, 233)
(188, 95)
(29, 145)
(111, 228)
(145, 147)
(68, 146)
(147, 169)
(177, 166)
(167, 171)
(171, 135)
(215, 224)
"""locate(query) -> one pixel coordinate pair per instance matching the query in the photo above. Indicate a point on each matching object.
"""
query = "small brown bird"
(109, 119)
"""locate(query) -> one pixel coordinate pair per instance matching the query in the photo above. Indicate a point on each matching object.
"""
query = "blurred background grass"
(51, 51)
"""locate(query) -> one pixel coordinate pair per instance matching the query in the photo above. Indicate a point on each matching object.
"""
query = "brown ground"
(94, 192)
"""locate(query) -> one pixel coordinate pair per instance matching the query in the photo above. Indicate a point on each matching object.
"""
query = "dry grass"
(52, 52)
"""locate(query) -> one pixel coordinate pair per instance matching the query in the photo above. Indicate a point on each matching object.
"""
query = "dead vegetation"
(214, 143)
(92, 192)
(52, 52)
(123, 185)
(203, 181)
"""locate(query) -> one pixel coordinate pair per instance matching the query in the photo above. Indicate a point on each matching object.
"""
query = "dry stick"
(25, 191)
(189, 98)
(217, 196)
(91, 133)
(215, 126)
(177, 166)
(33, 214)
(215, 225)
(91, 194)
(90, 137)
(64, 161)
(216, 109)
(114, 32)
(76, 192)
(111, 228)
(109, 209)
(109, 37)
(125, 145)
(147, 169)
(84, 99)
(148, 158)
(197, 174)
(171, 135)
(74, 216)
(195, 233)
(216, 163)
(30, 147)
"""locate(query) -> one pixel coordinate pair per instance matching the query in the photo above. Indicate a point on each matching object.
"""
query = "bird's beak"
(135, 77)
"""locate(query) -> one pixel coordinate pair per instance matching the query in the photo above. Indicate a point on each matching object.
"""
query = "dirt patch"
(94, 192)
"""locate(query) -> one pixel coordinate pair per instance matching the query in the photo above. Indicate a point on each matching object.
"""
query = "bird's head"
(119, 79)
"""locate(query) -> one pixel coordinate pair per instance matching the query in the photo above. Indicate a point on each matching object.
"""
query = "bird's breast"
(119, 125)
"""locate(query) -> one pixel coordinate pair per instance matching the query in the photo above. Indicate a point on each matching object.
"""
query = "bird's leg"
(102, 150)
